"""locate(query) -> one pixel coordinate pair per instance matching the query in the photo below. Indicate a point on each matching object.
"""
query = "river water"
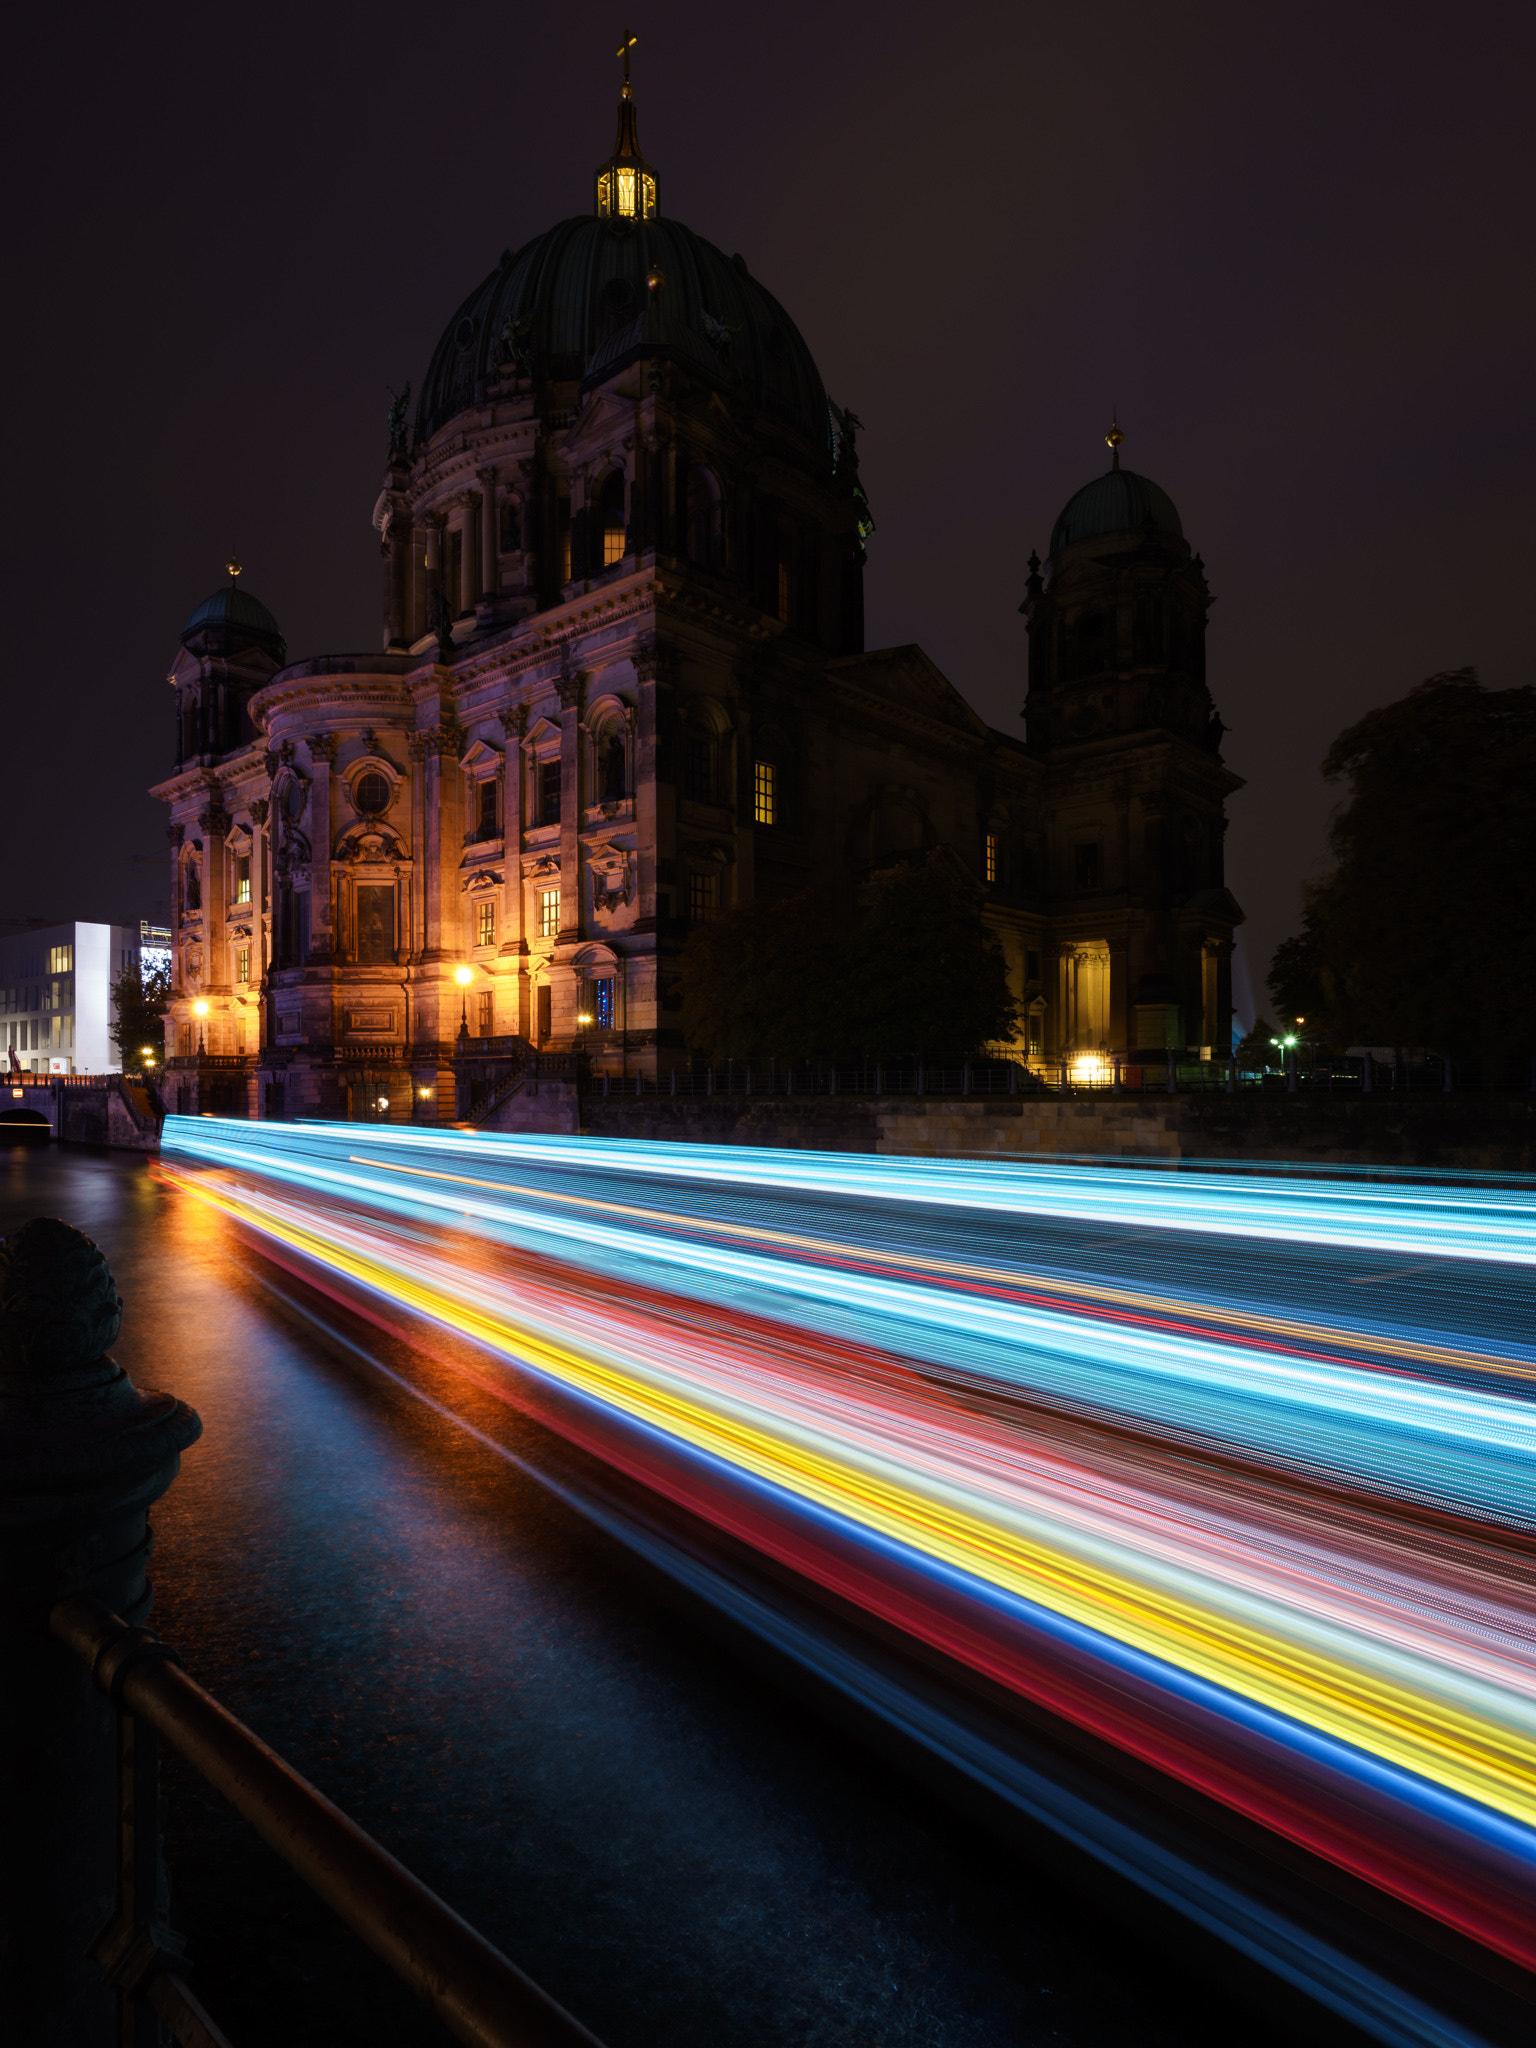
(680, 1848)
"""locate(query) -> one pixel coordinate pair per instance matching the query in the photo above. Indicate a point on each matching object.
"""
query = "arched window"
(511, 524)
(785, 590)
(611, 518)
(614, 773)
(705, 525)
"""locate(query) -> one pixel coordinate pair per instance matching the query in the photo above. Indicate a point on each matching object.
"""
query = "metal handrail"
(471, 1986)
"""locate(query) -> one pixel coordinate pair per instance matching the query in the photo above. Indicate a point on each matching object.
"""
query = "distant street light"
(464, 976)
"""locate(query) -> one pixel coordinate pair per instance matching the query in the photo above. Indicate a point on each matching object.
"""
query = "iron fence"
(1081, 1074)
(471, 1987)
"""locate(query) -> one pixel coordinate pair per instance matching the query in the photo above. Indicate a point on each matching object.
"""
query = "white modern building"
(56, 993)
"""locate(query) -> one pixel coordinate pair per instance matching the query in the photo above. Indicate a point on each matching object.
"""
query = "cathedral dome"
(591, 295)
(1120, 501)
(230, 620)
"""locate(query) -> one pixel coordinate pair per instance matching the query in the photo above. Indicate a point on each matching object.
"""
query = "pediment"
(906, 676)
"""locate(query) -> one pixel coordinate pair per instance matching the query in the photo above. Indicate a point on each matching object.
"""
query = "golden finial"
(623, 51)
(1114, 437)
(232, 568)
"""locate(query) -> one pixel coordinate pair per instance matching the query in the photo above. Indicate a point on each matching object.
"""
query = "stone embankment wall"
(1487, 1132)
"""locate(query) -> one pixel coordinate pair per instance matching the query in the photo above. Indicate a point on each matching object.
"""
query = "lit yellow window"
(650, 196)
(61, 959)
(485, 924)
(991, 856)
(764, 792)
(613, 545)
(565, 555)
(549, 913)
(602, 193)
(626, 189)
(243, 964)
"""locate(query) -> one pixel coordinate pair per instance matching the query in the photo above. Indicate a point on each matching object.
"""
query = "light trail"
(1283, 1556)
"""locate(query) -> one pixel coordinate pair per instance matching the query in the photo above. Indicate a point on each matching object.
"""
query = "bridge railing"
(473, 1989)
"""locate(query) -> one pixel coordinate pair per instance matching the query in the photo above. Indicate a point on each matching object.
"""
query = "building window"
(989, 858)
(243, 878)
(703, 897)
(1085, 866)
(545, 1024)
(549, 913)
(371, 794)
(698, 768)
(61, 959)
(765, 793)
(704, 521)
(375, 924)
(485, 924)
(613, 769)
(243, 964)
(483, 1008)
(549, 792)
(487, 825)
(611, 518)
(602, 1005)
(186, 1041)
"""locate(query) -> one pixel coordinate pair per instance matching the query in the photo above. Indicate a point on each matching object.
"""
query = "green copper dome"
(591, 295)
(231, 619)
(1120, 501)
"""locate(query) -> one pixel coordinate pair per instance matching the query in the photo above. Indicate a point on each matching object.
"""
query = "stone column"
(83, 1455)
(490, 537)
(514, 937)
(395, 549)
(175, 834)
(322, 827)
(261, 913)
(468, 567)
(573, 690)
(213, 823)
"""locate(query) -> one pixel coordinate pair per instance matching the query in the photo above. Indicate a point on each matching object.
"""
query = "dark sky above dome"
(1280, 240)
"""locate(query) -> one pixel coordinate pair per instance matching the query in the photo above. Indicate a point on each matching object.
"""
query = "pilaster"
(573, 690)
(322, 755)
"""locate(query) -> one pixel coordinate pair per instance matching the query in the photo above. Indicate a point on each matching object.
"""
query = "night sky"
(1292, 244)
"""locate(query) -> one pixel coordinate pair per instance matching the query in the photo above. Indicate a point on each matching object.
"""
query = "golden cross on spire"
(1115, 435)
(623, 51)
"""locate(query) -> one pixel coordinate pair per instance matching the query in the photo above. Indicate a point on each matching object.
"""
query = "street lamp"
(464, 976)
(200, 1011)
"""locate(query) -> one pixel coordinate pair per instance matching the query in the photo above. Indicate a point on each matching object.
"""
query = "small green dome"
(1120, 501)
(231, 619)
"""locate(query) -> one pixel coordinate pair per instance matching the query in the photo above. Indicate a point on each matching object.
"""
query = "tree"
(1258, 1049)
(917, 973)
(1424, 931)
(138, 1003)
(760, 980)
(924, 974)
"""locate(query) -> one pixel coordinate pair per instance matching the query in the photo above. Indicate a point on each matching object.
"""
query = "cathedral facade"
(622, 687)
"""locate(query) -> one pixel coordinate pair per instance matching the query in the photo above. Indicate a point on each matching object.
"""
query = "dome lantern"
(626, 184)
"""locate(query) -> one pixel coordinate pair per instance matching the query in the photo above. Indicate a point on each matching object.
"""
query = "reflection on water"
(671, 1845)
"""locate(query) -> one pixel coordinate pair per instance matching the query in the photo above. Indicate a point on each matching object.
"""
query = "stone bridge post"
(83, 1455)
